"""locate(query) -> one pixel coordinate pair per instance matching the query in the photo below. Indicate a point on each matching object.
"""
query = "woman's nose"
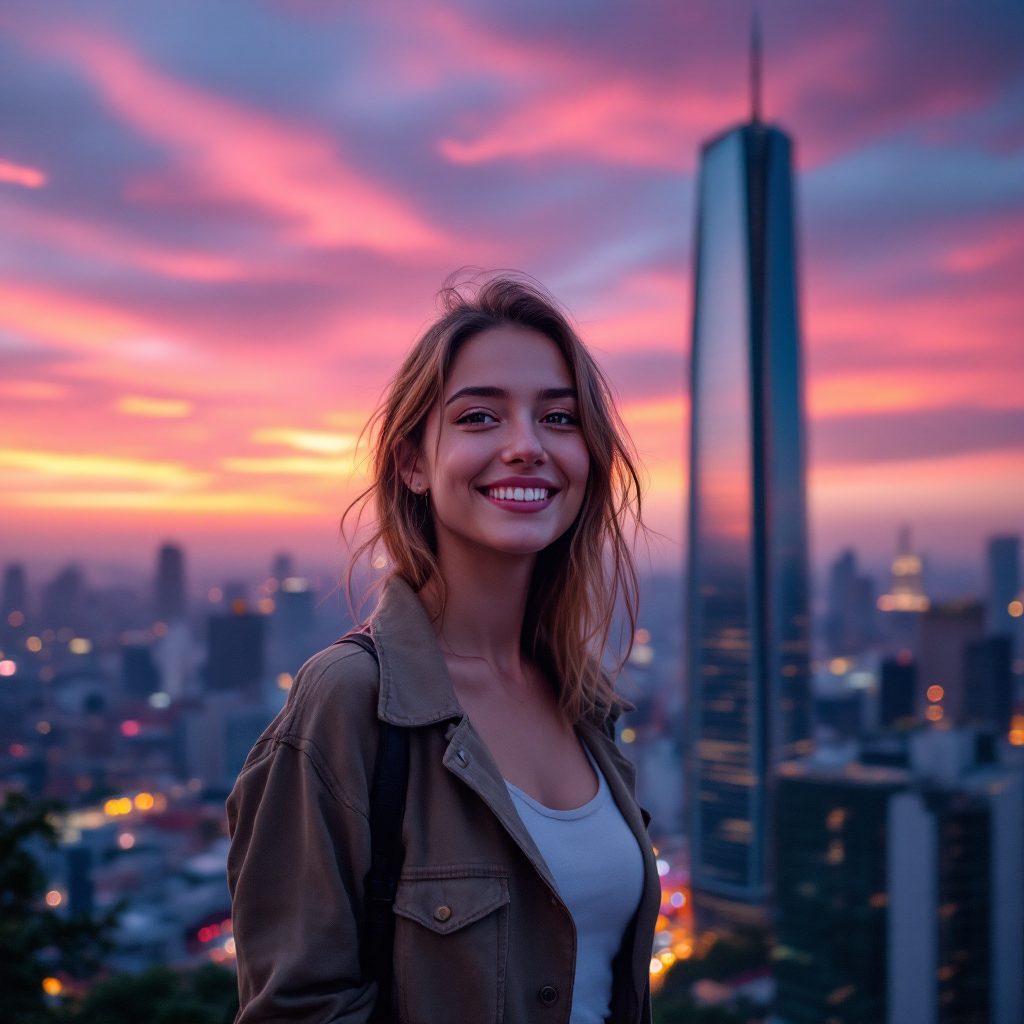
(524, 444)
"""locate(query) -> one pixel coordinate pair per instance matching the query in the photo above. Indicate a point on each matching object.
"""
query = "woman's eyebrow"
(479, 392)
(501, 393)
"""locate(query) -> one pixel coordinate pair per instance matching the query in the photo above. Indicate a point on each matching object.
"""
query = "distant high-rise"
(170, 584)
(988, 683)
(62, 599)
(749, 705)
(849, 627)
(1003, 565)
(898, 685)
(899, 892)
(282, 568)
(15, 603)
(235, 650)
(946, 632)
(15, 596)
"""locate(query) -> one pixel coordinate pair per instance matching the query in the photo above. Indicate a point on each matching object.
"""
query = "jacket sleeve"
(300, 849)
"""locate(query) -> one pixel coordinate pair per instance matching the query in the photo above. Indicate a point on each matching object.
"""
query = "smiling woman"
(505, 496)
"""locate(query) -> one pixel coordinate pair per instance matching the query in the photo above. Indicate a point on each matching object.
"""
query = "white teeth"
(518, 493)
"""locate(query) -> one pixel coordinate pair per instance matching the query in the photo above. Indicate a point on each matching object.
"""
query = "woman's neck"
(484, 603)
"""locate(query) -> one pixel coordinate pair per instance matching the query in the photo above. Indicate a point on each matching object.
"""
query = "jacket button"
(462, 757)
(548, 995)
(443, 913)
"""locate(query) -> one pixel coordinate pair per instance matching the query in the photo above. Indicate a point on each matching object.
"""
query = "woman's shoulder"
(339, 686)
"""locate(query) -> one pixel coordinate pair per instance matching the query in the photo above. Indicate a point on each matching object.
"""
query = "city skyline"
(211, 263)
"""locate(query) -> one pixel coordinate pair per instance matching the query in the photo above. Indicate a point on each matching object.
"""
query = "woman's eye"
(560, 419)
(476, 417)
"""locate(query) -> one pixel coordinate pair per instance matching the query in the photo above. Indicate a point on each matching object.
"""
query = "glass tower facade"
(749, 702)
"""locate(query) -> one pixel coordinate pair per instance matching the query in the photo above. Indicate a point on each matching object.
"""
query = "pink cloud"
(228, 153)
(19, 174)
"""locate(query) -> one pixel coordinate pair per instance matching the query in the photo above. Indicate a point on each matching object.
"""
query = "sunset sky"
(222, 223)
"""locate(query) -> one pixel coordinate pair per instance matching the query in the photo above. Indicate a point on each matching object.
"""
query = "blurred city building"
(947, 630)
(901, 889)
(905, 601)
(749, 702)
(293, 624)
(139, 675)
(1002, 564)
(173, 650)
(988, 683)
(14, 603)
(850, 622)
(62, 600)
(234, 649)
(898, 691)
(169, 590)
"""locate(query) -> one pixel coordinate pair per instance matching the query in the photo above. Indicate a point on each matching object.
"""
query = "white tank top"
(597, 865)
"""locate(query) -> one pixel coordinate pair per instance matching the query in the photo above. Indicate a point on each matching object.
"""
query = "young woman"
(505, 496)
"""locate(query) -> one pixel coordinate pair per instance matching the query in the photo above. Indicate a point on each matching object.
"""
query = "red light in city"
(211, 931)
(130, 728)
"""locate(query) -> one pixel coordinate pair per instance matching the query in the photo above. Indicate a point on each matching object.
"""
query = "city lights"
(628, 735)
(130, 728)
(144, 802)
(935, 693)
(16, 619)
(54, 898)
(7, 667)
(42, 728)
(1016, 736)
(126, 840)
(1016, 608)
(934, 713)
(34, 644)
(79, 645)
(52, 986)
(284, 681)
(117, 807)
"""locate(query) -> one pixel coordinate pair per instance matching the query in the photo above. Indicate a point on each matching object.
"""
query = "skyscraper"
(849, 626)
(749, 705)
(1003, 565)
(170, 584)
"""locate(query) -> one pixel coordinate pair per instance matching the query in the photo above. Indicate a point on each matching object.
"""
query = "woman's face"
(503, 455)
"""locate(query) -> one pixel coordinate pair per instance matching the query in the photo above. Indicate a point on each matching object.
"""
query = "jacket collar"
(415, 688)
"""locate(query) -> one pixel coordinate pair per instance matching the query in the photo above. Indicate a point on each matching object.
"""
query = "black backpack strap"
(387, 808)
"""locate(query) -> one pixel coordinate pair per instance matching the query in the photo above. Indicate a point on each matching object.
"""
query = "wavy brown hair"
(581, 579)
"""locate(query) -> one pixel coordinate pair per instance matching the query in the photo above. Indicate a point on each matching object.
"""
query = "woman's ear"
(410, 468)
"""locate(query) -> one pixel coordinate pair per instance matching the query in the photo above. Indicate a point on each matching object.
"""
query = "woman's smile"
(520, 494)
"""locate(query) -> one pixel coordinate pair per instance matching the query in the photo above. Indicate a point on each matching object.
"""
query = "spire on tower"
(755, 68)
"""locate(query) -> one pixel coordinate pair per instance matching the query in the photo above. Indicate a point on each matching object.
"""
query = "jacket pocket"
(451, 943)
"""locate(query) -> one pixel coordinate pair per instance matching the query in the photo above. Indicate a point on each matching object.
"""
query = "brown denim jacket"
(300, 851)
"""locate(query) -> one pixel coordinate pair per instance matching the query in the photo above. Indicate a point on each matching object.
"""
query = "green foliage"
(207, 995)
(718, 960)
(34, 941)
